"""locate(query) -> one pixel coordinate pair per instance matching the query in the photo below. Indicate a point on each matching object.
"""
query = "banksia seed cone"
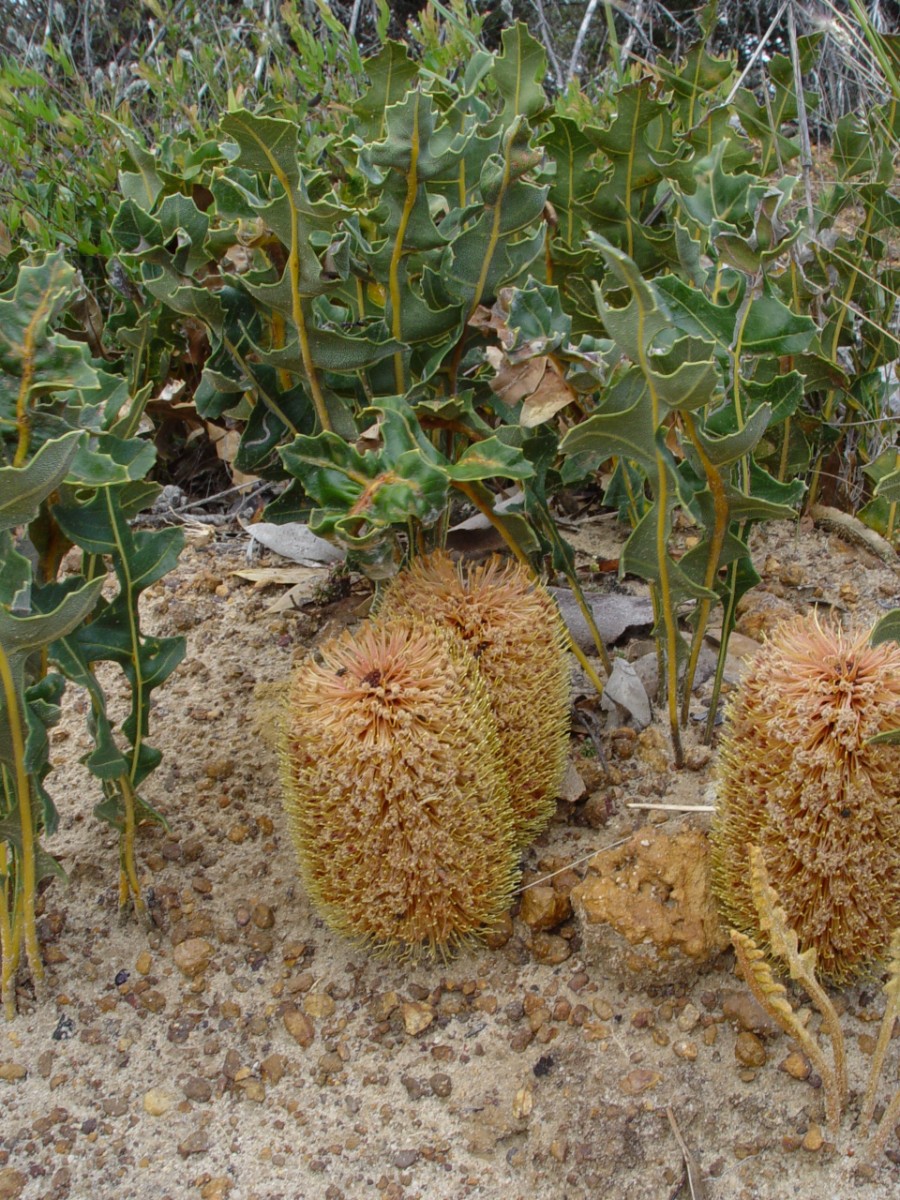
(394, 789)
(514, 631)
(798, 778)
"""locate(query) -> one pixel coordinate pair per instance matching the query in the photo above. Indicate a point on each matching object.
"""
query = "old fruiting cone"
(513, 629)
(394, 789)
(799, 777)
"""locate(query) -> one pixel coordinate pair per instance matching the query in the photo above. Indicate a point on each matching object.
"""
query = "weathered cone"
(513, 629)
(799, 777)
(395, 792)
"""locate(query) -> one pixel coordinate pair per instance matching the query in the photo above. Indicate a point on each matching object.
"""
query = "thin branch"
(579, 40)
(547, 40)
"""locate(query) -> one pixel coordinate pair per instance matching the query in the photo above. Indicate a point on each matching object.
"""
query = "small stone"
(219, 768)
(10, 1072)
(192, 956)
(12, 1183)
(796, 1065)
(813, 1139)
(559, 1149)
(195, 1143)
(748, 1013)
(685, 1049)
(238, 833)
(867, 1044)
(544, 907)
(749, 1050)
(497, 935)
(416, 1017)
(272, 1068)
(158, 1101)
(263, 916)
(299, 1026)
(143, 962)
(404, 1159)
(318, 1004)
(688, 1018)
(523, 1103)
(641, 1079)
(253, 1090)
(415, 1088)
(521, 1039)
(198, 1089)
(550, 948)
(216, 1188)
(383, 1005)
(441, 1084)
(330, 1063)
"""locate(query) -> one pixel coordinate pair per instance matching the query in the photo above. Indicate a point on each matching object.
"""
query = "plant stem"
(129, 884)
(717, 540)
(27, 886)
(9, 941)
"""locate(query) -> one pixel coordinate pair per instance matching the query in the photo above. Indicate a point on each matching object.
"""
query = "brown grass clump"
(799, 779)
(513, 629)
(394, 789)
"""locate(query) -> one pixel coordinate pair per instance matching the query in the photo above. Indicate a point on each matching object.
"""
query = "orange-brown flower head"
(513, 629)
(799, 778)
(395, 791)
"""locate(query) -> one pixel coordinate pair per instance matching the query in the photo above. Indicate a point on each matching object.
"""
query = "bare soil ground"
(240, 1049)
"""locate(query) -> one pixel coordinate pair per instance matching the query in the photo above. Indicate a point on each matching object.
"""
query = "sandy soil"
(240, 1049)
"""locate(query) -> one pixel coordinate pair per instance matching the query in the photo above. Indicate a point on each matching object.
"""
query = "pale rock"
(543, 907)
(192, 956)
(158, 1101)
(416, 1017)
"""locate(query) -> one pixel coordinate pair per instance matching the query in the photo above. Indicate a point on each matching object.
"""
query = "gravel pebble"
(158, 1101)
(641, 1079)
(416, 1017)
(749, 1050)
(748, 1013)
(192, 956)
(796, 1065)
(195, 1143)
(197, 1088)
(299, 1026)
(11, 1071)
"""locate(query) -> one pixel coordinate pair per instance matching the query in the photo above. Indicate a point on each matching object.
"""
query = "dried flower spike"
(799, 778)
(394, 789)
(514, 631)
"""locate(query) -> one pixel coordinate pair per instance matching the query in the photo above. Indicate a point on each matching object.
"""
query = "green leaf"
(887, 629)
(23, 489)
(491, 459)
(392, 72)
(34, 360)
(22, 634)
(519, 73)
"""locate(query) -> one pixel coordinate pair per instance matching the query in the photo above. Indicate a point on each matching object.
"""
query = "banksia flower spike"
(394, 789)
(799, 778)
(512, 627)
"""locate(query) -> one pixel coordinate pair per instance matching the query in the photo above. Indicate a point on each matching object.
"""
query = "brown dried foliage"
(512, 627)
(394, 789)
(799, 779)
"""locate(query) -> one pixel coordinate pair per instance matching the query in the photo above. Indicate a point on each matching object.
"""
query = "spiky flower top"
(513, 629)
(799, 778)
(395, 791)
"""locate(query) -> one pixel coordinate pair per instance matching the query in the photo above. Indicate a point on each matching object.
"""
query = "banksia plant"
(395, 791)
(800, 778)
(512, 627)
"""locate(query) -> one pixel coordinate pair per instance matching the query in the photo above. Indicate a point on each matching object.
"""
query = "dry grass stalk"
(773, 997)
(892, 1006)
(802, 966)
